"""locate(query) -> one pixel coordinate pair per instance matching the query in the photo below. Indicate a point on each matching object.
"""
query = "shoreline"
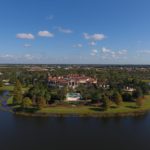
(94, 115)
(126, 110)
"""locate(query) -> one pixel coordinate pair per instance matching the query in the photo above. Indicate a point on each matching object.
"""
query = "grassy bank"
(7, 88)
(127, 109)
(11, 88)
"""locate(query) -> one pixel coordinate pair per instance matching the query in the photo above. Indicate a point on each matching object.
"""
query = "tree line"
(40, 95)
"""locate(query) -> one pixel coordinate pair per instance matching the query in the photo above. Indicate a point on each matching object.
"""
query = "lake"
(73, 133)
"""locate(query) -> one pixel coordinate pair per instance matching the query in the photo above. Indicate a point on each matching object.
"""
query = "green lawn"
(10, 101)
(147, 81)
(11, 88)
(127, 107)
(7, 88)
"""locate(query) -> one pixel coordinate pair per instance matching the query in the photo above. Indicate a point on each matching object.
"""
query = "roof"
(72, 77)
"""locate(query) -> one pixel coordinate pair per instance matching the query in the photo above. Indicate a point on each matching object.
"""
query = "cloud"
(111, 54)
(92, 43)
(7, 56)
(78, 45)
(45, 34)
(122, 52)
(144, 51)
(142, 54)
(50, 17)
(63, 30)
(25, 36)
(105, 50)
(94, 37)
(24, 58)
(94, 52)
(28, 57)
(27, 45)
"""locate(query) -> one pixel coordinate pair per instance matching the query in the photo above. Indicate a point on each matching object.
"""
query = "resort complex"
(71, 80)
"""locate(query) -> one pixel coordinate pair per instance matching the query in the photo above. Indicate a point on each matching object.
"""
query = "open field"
(147, 81)
(128, 108)
(11, 88)
(7, 88)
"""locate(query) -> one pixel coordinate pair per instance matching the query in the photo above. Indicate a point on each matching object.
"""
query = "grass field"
(10, 101)
(7, 88)
(126, 108)
(11, 88)
(147, 81)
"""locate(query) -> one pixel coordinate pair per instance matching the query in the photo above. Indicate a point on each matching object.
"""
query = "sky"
(75, 31)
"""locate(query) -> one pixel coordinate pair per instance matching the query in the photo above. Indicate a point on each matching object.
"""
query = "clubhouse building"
(71, 80)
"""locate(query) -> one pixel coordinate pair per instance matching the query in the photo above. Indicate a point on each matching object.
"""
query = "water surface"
(72, 133)
(22, 133)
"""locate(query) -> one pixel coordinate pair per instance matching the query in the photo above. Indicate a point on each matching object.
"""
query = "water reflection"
(74, 133)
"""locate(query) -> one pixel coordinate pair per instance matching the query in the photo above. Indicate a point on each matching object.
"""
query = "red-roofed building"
(71, 80)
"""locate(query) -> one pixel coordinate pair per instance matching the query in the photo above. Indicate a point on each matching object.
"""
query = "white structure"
(6, 82)
(73, 97)
(129, 89)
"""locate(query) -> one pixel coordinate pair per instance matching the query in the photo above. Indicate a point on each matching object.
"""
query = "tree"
(144, 87)
(1, 83)
(127, 97)
(37, 91)
(81, 89)
(17, 93)
(26, 102)
(138, 93)
(47, 97)
(61, 93)
(87, 95)
(106, 102)
(41, 102)
(117, 98)
(96, 96)
(139, 102)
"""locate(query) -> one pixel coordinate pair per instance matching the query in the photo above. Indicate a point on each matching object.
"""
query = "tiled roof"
(72, 77)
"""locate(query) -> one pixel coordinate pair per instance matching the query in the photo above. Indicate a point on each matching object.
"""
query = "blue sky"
(75, 31)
